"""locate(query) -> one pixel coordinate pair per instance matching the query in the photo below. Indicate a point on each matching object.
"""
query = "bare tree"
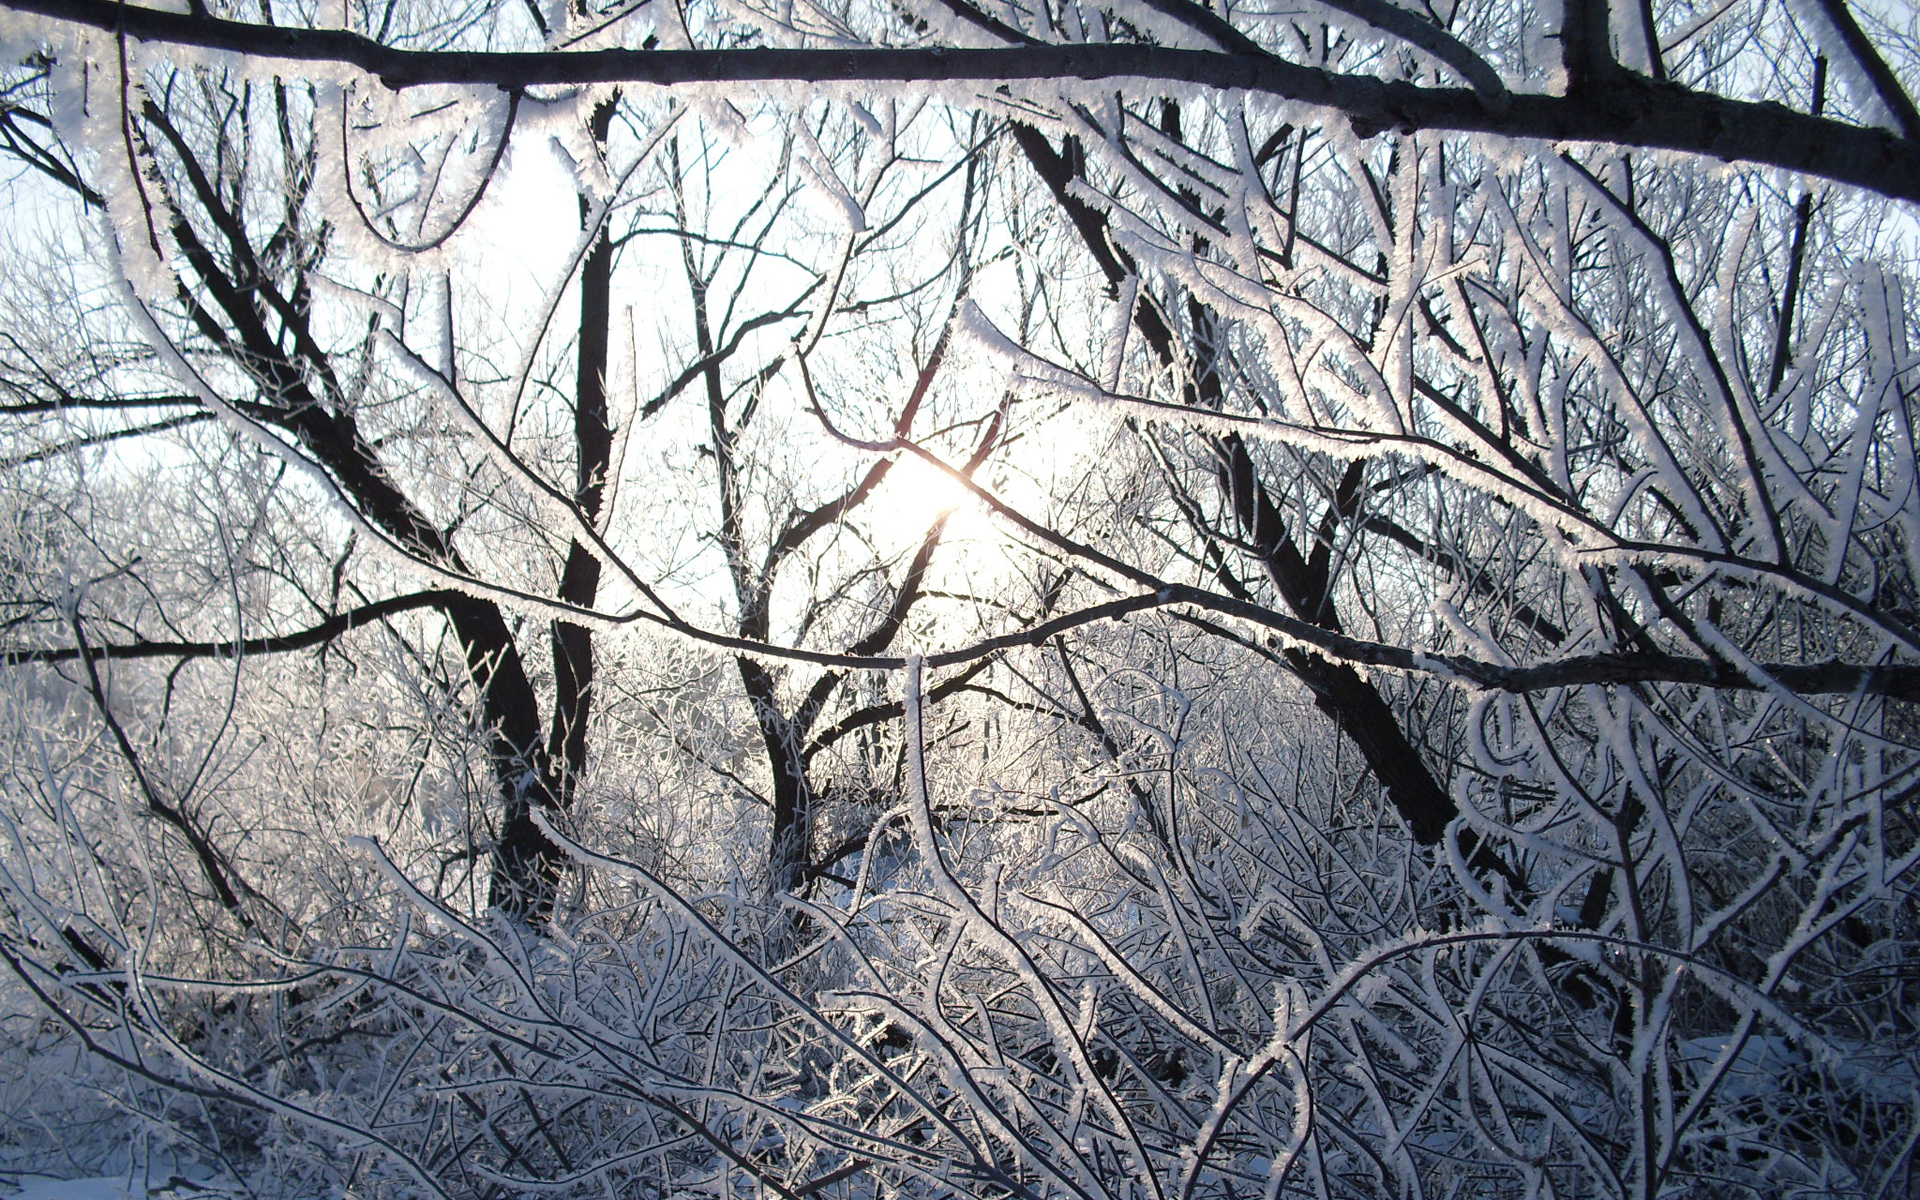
(1407, 367)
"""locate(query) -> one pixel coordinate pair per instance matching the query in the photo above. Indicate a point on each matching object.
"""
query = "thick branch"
(1896, 681)
(1621, 109)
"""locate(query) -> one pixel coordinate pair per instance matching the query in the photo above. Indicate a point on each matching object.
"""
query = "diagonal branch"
(88, 441)
(1885, 84)
(214, 865)
(1390, 18)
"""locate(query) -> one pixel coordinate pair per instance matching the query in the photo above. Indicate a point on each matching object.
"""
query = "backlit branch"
(1619, 108)
(303, 639)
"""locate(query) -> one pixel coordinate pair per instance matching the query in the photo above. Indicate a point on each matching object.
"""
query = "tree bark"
(1338, 690)
(1621, 109)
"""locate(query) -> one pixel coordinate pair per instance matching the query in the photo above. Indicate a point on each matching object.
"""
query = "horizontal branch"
(1832, 677)
(1895, 681)
(64, 404)
(876, 714)
(1623, 109)
(325, 631)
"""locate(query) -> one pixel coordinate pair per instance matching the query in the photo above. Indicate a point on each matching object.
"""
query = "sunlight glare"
(917, 494)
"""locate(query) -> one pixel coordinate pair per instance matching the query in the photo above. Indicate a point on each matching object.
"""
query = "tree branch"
(1621, 108)
(1898, 681)
(325, 631)
(213, 864)
(91, 440)
(1885, 84)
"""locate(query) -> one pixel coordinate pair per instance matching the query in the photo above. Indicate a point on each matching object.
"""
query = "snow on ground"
(33, 1187)
(106, 1187)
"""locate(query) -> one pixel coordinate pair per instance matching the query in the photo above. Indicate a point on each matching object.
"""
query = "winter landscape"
(1043, 599)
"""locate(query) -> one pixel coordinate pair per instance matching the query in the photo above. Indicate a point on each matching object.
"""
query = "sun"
(916, 494)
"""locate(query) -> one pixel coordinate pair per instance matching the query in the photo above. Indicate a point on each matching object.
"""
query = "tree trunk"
(1354, 704)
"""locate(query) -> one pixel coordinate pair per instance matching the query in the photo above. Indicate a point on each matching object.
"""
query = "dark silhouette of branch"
(454, 224)
(1410, 28)
(875, 714)
(1353, 703)
(1894, 680)
(1796, 258)
(212, 863)
(1619, 107)
(1216, 27)
(88, 441)
(316, 635)
(526, 865)
(75, 403)
(1584, 49)
(1885, 85)
(286, 379)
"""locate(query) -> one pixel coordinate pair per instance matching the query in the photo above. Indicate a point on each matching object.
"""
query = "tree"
(1570, 485)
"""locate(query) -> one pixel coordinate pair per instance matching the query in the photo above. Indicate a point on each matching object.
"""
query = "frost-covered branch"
(1622, 110)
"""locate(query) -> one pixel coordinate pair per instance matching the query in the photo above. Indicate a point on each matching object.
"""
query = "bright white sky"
(525, 232)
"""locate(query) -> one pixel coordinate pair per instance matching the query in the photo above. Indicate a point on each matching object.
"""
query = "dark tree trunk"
(526, 863)
(791, 838)
(524, 860)
(573, 661)
(1354, 704)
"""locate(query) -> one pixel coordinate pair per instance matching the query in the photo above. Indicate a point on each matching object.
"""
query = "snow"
(184, 1182)
(100, 1187)
(1005, 937)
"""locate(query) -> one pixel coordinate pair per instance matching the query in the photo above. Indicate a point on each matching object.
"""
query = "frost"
(1412, 706)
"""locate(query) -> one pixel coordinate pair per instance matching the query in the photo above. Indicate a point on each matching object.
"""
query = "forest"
(1042, 599)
